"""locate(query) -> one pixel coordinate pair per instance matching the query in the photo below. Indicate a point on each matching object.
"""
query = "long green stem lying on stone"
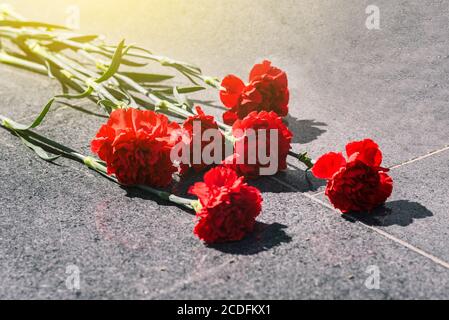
(49, 45)
(41, 145)
(59, 52)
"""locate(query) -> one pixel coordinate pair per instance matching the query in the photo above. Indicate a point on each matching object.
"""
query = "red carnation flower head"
(267, 90)
(228, 206)
(136, 147)
(255, 151)
(194, 136)
(356, 184)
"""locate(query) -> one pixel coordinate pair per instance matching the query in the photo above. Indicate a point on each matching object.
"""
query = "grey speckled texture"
(418, 209)
(346, 83)
(127, 245)
(327, 258)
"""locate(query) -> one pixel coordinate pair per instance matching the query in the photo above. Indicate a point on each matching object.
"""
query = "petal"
(386, 185)
(220, 176)
(199, 111)
(366, 151)
(201, 190)
(120, 119)
(233, 88)
(105, 134)
(230, 117)
(139, 118)
(260, 69)
(328, 164)
(251, 95)
(280, 77)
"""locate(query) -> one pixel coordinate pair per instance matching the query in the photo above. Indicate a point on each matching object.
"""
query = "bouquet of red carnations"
(154, 133)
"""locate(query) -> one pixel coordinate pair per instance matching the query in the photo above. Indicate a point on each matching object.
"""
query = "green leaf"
(146, 77)
(179, 97)
(182, 90)
(126, 62)
(59, 45)
(143, 103)
(188, 75)
(31, 24)
(167, 62)
(118, 93)
(131, 63)
(141, 49)
(84, 39)
(191, 68)
(48, 66)
(108, 105)
(17, 126)
(115, 63)
(182, 99)
(82, 95)
(37, 149)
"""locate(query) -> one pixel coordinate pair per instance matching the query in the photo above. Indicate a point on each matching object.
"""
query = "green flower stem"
(66, 67)
(81, 76)
(56, 38)
(98, 167)
(17, 62)
(45, 54)
(304, 158)
(212, 82)
(58, 60)
(76, 70)
(64, 77)
(88, 161)
(161, 105)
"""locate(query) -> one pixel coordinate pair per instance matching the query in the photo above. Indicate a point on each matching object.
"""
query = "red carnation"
(229, 206)
(207, 122)
(359, 184)
(245, 152)
(136, 147)
(267, 90)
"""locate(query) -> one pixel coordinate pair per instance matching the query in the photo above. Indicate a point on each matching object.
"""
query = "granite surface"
(347, 82)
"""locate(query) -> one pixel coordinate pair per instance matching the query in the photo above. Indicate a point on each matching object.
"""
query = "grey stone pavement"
(347, 82)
